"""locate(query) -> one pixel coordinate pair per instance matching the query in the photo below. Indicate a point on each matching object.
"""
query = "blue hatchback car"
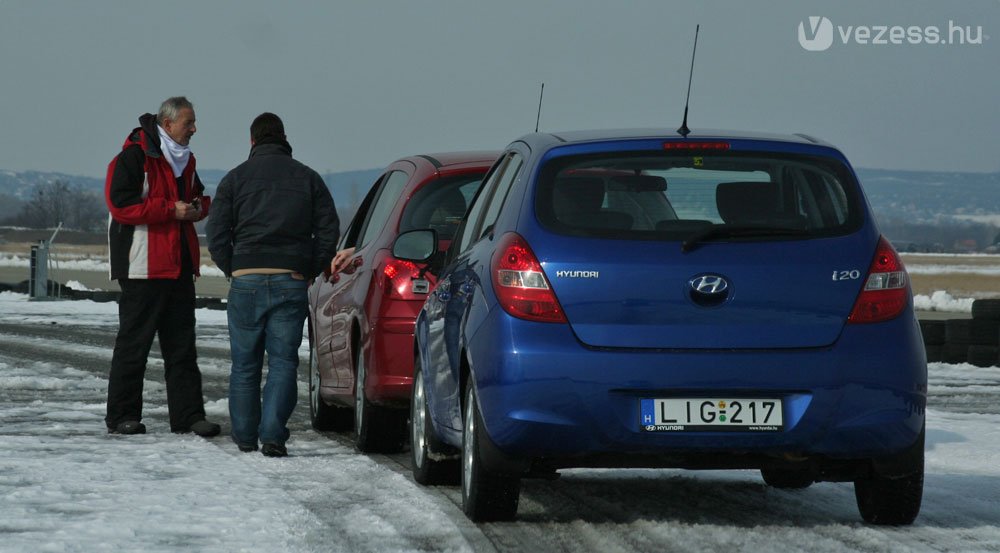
(642, 299)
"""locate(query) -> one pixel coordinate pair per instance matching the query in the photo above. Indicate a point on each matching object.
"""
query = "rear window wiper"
(719, 232)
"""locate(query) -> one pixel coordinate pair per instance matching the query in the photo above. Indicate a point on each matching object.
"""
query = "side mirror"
(415, 245)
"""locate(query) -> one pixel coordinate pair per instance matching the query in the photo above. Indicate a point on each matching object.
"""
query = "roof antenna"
(684, 130)
(539, 116)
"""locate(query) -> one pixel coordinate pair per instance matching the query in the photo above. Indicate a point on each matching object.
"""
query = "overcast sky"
(361, 83)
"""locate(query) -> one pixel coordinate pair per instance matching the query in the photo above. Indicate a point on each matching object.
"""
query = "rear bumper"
(546, 399)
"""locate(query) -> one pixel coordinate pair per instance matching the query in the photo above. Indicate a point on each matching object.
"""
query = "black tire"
(891, 501)
(935, 354)
(432, 461)
(376, 429)
(958, 331)
(787, 479)
(983, 356)
(321, 415)
(956, 353)
(486, 496)
(933, 332)
(984, 332)
(987, 309)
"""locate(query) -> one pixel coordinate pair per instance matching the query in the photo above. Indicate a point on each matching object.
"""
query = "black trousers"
(150, 308)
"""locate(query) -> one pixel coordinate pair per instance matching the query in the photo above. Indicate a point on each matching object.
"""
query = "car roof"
(547, 140)
(447, 159)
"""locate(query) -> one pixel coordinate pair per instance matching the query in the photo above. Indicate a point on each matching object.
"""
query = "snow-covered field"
(67, 486)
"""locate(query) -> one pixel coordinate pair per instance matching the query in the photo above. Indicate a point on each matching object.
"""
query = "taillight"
(520, 284)
(399, 276)
(885, 294)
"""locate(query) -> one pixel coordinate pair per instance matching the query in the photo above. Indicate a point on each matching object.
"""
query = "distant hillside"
(347, 187)
(932, 197)
(914, 197)
(21, 185)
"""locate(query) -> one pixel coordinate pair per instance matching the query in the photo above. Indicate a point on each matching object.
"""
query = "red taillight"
(399, 276)
(692, 145)
(885, 294)
(520, 285)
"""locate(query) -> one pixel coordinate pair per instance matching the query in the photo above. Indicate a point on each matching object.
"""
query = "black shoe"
(206, 429)
(274, 450)
(247, 448)
(128, 427)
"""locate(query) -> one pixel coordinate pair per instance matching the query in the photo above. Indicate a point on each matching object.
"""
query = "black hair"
(267, 125)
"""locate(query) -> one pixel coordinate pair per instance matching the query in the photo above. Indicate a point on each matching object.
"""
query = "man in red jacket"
(154, 195)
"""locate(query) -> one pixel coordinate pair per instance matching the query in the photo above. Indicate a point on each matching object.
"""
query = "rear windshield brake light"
(695, 145)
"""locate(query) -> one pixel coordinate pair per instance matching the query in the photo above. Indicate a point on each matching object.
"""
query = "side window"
(379, 213)
(468, 226)
(353, 231)
(505, 180)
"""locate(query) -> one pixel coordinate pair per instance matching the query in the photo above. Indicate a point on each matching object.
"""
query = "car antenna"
(539, 116)
(684, 130)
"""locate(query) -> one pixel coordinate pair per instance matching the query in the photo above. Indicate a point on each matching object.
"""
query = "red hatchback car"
(361, 320)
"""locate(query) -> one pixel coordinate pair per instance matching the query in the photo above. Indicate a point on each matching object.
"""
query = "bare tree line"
(58, 202)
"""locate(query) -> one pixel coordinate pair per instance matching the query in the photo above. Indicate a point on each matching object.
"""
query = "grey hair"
(171, 108)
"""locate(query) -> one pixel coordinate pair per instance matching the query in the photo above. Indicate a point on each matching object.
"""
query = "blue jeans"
(266, 313)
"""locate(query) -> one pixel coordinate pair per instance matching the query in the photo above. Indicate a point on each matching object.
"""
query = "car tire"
(432, 461)
(376, 429)
(786, 479)
(486, 496)
(891, 501)
(321, 415)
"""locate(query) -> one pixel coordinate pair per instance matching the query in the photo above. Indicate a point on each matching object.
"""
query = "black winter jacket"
(273, 212)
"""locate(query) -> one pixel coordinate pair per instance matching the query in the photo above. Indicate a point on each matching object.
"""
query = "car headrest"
(747, 202)
(585, 193)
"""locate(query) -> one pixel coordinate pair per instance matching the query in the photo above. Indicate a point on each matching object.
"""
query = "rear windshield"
(670, 196)
(440, 205)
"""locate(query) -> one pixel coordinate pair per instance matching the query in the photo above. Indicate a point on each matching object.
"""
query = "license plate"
(710, 415)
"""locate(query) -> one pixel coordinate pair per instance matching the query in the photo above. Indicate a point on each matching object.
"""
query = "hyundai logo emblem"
(709, 285)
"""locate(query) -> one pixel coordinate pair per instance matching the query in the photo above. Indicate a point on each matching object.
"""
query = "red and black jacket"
(144, 237)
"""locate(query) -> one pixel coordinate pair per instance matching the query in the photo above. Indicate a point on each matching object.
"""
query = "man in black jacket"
(272, 229)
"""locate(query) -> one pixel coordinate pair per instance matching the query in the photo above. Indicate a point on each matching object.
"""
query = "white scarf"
(175, 154)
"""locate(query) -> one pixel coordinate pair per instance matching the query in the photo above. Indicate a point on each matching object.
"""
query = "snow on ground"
(942, 301)
(77, 285)
(67, 486)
